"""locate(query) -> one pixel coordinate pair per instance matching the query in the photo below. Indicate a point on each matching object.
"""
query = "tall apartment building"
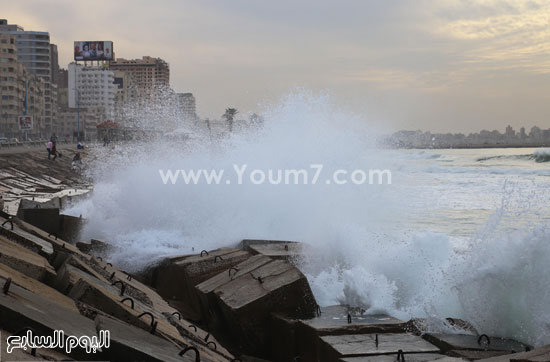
(148, 73)
(92, 87)
(126, 93)
(18, 88)
(187, 107)
(34, 52)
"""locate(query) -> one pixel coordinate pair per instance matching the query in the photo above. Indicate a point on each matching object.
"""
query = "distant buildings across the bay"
(536, 137)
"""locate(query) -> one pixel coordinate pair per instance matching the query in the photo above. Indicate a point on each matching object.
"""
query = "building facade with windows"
(34, 52)
(92, 87)
(20, 93)
(148, 73)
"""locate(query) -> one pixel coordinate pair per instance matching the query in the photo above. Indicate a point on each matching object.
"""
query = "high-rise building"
(510, 133)
(20, 92)
(62, 80)
(34, 52)
(148, 73)
(126, 93)
(187, 107)
(92, 87)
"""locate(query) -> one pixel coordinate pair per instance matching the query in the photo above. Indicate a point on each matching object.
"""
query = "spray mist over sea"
(456, 234)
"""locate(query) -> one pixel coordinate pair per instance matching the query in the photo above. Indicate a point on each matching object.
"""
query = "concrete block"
(20, 308)
(95, 247)
(25, 239)
(98, 293)
(333, 320)
(285, 343)
(57, 243)
(41, 354)
(205, 291)
(25, 261)
(157, 305)
(541, 358)
(129, 343)
(37, 287)
(413, 357)
(42, 215)
(176, 278)
(70, 227)
(361, 345)
(475, 355)
(275, 249)
(247, 301)
(449, 342)
(541, 352)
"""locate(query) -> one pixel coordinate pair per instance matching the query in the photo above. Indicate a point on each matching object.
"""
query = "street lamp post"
(78, 116)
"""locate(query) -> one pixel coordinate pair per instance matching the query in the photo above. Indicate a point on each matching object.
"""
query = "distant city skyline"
(533, 137)
(447, 66)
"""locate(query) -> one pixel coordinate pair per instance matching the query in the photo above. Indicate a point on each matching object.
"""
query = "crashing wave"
(542, 155)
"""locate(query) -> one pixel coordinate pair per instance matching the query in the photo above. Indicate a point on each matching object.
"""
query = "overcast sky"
(433, 65)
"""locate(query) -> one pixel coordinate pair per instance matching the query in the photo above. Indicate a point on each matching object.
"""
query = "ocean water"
(457, 233)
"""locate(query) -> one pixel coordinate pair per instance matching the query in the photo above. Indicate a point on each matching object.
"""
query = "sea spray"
(367, 248)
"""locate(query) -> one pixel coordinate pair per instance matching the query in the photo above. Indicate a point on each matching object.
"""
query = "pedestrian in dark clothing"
(54, 151)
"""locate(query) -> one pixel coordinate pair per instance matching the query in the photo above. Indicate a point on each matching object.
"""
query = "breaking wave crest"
(540, 155)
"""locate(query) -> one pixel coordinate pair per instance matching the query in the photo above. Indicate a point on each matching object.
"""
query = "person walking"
(49, 146)
(54, 151)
